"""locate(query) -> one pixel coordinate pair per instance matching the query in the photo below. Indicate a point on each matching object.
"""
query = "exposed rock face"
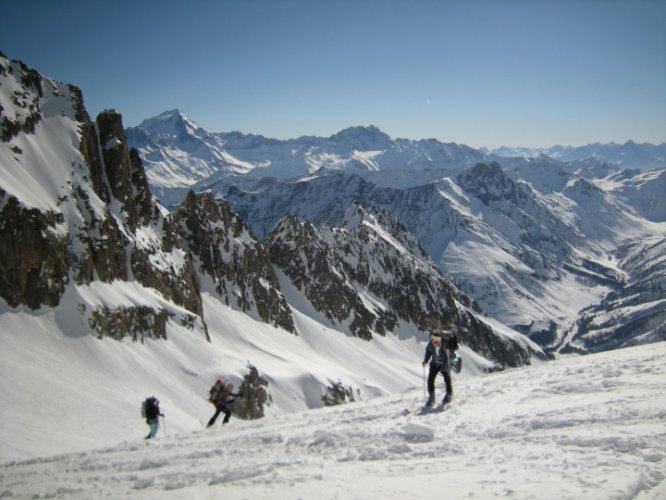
(33, 255)
(124, 171)
(297, 248)
(635, 311)
(506, 352)
(256, 396)
(95, 221)
(489, 183)
(26, 98)
(370, 275)
(227, 253)
(338, 394)
(139, 322)
(372, 252)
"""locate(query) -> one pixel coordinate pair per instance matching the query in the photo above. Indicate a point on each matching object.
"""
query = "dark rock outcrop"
(370, 275)
(227, 253)
(34, 258)
(255, 396)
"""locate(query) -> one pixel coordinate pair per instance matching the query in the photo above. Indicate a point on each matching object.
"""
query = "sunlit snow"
(587, 427)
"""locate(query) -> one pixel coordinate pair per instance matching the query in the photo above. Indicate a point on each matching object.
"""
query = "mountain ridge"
(538, 223)
(370, 137)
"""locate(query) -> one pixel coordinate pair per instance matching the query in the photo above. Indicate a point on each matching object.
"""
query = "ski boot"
(431, 401)
(447, 399)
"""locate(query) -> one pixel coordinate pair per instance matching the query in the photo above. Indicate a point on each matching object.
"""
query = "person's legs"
(214, 417)
(449, 387)
(227, 415)
(153, 429)
(431, 383)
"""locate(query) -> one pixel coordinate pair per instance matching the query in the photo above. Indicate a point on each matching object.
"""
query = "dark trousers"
(434, 370)
(218, 410)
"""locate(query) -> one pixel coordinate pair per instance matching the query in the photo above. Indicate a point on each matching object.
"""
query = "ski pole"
(424, 382)
(164, 425)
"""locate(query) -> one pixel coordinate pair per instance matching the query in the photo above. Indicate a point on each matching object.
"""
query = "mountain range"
(628, 155)
(539, 240)
(308, 272)
(88, 256)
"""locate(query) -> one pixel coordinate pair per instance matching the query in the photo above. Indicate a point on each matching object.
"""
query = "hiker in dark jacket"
(222, 397)
(438, 355)
(152, 414)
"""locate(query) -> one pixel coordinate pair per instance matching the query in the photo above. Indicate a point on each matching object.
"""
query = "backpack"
(144, 405)
(215, 391)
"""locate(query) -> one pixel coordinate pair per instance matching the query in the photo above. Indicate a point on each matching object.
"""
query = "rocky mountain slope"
(77, 209)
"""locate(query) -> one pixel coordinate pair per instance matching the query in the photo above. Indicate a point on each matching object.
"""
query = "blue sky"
(482, 73)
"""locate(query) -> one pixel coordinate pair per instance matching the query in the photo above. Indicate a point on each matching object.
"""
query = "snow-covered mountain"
(533, 260)
(114, 293)
(533, 240)
(178, 154)
(628, 155)
(373, 275)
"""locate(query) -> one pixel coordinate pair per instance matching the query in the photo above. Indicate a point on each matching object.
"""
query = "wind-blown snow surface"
(581, 427)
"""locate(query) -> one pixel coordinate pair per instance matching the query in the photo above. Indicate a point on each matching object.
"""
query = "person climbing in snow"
(223, 397)
(439, 363)
(152, 414)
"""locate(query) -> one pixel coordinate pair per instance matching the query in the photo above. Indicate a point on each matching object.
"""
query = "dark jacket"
(153, 411)
(437, 356)
(224, 399)
(434, 354)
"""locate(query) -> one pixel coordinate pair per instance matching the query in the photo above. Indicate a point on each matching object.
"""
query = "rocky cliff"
(370, 276)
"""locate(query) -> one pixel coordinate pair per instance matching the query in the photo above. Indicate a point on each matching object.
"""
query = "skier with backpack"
(437, 353)
(222, 397)
(150, 410)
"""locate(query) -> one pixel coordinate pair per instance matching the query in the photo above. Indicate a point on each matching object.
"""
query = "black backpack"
(216, 391)
(144, 405)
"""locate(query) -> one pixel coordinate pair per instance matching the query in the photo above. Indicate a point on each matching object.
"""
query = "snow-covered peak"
(170, 124)
(362, 138)
(40, 156)
(628, 155)
(177, 153)
(384, 226)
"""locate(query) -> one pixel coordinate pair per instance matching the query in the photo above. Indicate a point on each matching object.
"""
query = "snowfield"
(591, 427)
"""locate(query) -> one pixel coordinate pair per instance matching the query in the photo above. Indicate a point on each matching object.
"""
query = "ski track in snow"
(588, 427)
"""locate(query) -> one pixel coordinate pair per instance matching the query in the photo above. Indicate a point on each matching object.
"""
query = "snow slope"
(580, 427)
(55, 373)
